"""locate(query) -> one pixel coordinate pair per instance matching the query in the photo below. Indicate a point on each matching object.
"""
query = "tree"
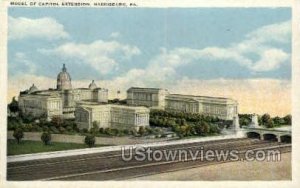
(278, 121)
(288, 119)
(244, 119)
(14, 106)
(259, 119)
(270, 124)
(265, 119)
(46, 138)
(18, 134)
(90, 140)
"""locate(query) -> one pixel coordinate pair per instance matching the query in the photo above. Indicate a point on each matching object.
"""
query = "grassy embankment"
(28, 146)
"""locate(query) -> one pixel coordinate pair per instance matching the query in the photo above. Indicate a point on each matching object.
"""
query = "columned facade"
(223, 108)
(112, 116)
(149, 97)
(60, 101)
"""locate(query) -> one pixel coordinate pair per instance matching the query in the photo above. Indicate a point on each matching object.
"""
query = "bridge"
(279, 135)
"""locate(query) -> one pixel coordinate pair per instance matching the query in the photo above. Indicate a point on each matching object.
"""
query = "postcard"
(131, 93)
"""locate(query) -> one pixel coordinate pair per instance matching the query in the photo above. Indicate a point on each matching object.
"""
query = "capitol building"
(60, 101)
(90, 105)
(86, 105)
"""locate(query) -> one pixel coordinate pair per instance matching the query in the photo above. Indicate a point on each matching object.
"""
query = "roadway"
(110, 166)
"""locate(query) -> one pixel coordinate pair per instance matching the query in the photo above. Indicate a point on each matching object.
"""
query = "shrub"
(36, 127)
(84, 130)
(90, 140)
(149, 130)
(13, 123)
(142, 131)
(76, 129)
(62, 129)
(46, 138)
(101, 130)
(45, 128)
(28, 118)
(214, 129)
(107, 131)
(158, 130)
(39, 129)
(18, 134)
(54, 130)
(57, 121)
(95, 128)
(121, 133)
(28, 128)
(114, 132)
(133, 132)
(69, 128)
(126, 131)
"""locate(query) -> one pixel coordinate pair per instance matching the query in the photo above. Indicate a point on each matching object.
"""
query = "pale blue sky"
(148, 33)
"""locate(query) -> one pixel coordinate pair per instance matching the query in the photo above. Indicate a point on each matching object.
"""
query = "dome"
(92, 85)
(64, 79)
(32, 89)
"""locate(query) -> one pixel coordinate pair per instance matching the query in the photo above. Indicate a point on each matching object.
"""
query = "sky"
(241, 53)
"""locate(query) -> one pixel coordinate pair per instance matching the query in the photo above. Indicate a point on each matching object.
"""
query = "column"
(261, 136)
(278, 138)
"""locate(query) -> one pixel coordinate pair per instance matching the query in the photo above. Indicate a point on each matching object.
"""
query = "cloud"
(101, 55)
(279, 32)
(22, 64)
(45, 28)
(256, 52)
(161, 70)
(253, 95)
(115, 35)
(270, 59)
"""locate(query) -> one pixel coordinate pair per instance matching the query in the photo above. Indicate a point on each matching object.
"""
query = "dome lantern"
(92, 85)
(32, 89)
(64, 79)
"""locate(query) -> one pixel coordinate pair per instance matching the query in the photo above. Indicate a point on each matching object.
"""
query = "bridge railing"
(267, 130)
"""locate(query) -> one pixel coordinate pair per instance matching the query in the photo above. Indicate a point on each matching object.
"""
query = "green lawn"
(28, 146)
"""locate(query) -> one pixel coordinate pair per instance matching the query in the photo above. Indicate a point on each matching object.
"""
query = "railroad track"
(117, 153)
(108, 166)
